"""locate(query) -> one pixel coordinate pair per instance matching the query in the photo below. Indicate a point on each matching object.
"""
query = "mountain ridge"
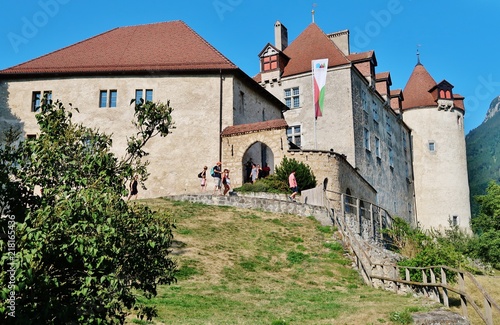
(483, 153)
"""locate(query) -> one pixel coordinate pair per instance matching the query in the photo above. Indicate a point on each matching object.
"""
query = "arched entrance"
(259, 154)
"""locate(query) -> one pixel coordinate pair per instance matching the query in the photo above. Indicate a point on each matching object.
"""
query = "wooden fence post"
(463, 300)
(445, 291)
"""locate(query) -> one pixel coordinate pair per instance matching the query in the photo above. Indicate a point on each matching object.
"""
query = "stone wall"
(261, 201)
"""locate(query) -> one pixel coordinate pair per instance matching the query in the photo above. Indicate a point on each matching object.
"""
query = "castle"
(401, 149)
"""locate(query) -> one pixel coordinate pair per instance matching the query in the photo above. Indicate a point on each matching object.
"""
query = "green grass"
(240, 266)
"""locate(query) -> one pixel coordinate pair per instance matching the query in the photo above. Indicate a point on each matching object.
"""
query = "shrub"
(303, 173)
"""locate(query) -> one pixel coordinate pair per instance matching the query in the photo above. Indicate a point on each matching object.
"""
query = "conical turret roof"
(417, 89)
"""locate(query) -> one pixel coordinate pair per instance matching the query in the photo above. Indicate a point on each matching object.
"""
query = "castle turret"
(435, 116)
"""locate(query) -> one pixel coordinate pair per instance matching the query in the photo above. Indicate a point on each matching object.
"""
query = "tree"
(486, 226)
(76, 253)
(303, 173)
(488, 217)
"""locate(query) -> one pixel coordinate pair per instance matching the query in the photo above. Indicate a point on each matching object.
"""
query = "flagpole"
(314, 109)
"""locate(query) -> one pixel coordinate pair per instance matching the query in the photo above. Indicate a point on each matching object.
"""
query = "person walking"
(203, 180)
(217, 174)
(226, 181)
(292, 182)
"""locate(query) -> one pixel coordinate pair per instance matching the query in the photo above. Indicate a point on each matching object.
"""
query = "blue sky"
(457, 39)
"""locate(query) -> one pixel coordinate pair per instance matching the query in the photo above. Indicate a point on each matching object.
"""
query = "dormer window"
(444, 94)
(270, 62)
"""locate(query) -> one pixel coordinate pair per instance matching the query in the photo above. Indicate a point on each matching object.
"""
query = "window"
(270, 62)
(366, 139)
(364, 102)
(112, 98)
(292, 98)
(391, 158)
(103, 95)
(37, 98)
(432, 146)
(375, 111)
(149, 95)
(35, 101)
(139, 94)
(377, 147)
(454, 221)
(108, 101)
(293, 135)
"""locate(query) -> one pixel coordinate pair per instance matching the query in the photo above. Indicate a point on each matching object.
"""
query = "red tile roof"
(458, 102)
(363, 56)
(166, 46)
(311, 44)
(254, 127)
(383, 76)
(417, 88)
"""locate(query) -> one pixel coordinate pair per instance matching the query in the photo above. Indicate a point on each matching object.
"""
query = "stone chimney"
(341, 39)
(280, 36)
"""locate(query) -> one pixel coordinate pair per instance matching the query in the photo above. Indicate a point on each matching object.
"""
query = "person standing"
(254, 174)
(292, 182)
(203, 180)
(226, 181)
(217, 174)
(248, 169)
(133, 188)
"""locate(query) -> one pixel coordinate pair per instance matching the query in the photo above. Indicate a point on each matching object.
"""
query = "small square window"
(293, 134)
(432, 146)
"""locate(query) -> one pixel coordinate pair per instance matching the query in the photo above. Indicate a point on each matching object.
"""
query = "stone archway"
(260, 141)
(260, 154)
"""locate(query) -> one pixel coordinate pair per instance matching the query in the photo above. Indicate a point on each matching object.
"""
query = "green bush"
(423, 249)
(303, 173)
(278, 182)
(486, 247)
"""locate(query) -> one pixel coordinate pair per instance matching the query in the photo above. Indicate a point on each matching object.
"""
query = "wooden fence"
(359, 220)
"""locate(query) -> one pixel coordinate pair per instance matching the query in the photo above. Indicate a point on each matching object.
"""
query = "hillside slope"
(241, 266)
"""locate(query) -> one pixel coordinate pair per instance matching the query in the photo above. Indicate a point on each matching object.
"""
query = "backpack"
(200, 175)
(212, 173)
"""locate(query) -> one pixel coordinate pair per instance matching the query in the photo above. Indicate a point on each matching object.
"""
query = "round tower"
(435, 116)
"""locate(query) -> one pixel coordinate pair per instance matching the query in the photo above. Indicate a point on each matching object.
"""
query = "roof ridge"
(59, 50)
(208, 44)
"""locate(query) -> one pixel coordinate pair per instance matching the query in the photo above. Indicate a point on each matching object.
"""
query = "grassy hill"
(242, 266)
